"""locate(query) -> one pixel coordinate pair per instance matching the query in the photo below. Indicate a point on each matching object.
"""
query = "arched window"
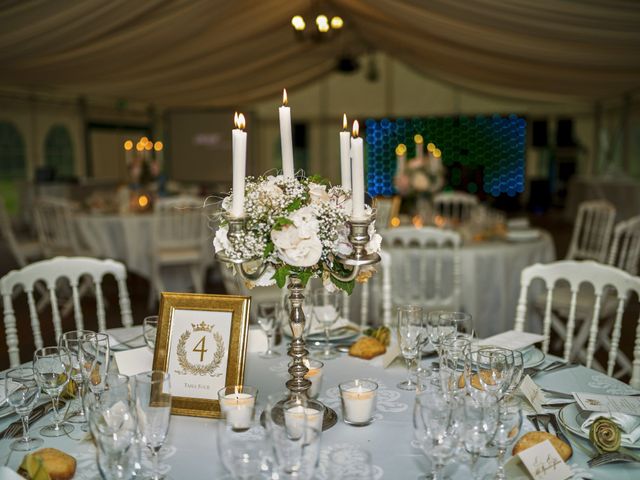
(58, 151)
(12, 153)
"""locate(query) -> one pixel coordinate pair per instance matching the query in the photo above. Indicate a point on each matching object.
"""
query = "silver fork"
(611, 457)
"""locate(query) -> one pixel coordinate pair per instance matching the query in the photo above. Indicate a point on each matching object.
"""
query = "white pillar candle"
(238, 409)
(357, 175)
(296, 417)
(358, 401)
(419, 146)
(239, 145)
(286, 142)
(345, 156)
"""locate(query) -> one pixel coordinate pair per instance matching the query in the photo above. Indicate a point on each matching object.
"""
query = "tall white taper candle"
(419, 146)
(357, 175)
(286, 142)
(239, 144)
(345, 157)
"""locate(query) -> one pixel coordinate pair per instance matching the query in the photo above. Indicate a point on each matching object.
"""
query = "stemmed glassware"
(411, 332)
(153, 406)
(150, 330)
(480, 423)
(268, 319)
(22, 393)
(438, 331)
(452, 362)
(507, 430)
(52, 367)
(495, 369)
(95, 356)
(71, 341)
(326, 310)
(457, 323)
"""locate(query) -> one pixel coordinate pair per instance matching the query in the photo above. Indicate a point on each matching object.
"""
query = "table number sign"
(202, 343)
(543, 462)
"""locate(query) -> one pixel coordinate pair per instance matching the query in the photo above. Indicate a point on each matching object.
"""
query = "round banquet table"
(191, 452)
(490, 281)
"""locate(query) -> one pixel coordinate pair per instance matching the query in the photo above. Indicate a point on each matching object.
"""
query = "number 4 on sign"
(200, 348)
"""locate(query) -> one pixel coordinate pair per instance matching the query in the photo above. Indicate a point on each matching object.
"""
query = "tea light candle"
(314, 375)
(358, 401)
(237, 404)
(297, 416)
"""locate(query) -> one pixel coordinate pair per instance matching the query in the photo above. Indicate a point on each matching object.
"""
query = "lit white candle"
(296, 417)
(128, 152)
(286, 142)
(401, 158)
(419, 146)
(238, 409)
(357, 175)
(358, 401)
(239, 144)
(159, 149)
(345, 157)
(314, 375)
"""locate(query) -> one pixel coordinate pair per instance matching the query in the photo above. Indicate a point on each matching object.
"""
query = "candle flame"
(431, 147)
(285, 99)
(356, 128)
(143, 201)
(418, 138)
(345, 124)
(401, 149)
(128, 145)
(158, 146)
(235, 119)
(241, 121)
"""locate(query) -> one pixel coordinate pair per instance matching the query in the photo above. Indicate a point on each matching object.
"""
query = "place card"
(393, 352)
(512, 340)
(543, 462)
(257, 341)
(134, 361)
(592, 402)
(532, 392)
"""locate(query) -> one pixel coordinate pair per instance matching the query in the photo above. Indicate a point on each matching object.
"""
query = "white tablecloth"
(191, 448)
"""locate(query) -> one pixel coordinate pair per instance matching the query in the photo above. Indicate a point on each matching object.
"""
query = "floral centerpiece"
(421, 177)
(295, 226)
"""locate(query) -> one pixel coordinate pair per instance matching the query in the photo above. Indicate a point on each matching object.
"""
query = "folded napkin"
(512, 340)
(12, 386)
(629, 424)
(129, 337)
(7, 474)
(317, 328)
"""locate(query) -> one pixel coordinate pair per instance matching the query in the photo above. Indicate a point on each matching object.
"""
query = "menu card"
(592, 402)
(134, 361)
(544, 462)
(512, 340)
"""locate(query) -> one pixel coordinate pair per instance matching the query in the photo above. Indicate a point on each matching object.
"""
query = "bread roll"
(367, 348)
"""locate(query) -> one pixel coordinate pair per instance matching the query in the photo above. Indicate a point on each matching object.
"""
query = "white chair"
(454, 206)
(418, 260)
(22, 249)
(50, 271)
(56, 228)
(602, 278)
(625, 248)
(592, 231)
(179, 238)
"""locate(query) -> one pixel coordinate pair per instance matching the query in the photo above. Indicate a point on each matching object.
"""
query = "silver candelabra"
(358, 237)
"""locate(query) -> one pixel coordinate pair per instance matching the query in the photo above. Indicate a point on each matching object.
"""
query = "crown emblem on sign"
(201, 327)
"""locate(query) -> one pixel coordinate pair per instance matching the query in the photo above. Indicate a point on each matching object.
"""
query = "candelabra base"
(329, 418)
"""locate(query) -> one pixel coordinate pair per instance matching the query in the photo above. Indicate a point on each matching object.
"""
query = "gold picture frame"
(215, 329)
(387, 208)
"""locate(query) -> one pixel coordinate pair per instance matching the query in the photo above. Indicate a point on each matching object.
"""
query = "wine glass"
(437, 330)
(494, 366)
(71, 341)
(460, 321)
(507, 430)
(517, 371)
(95, 356)
(245, 453)
(268, 321)
(153, 406)
(480, 423)
(435, 428)
(410, 331)
(52, 367)
(326, 310)
(22, 393)
(452, 362)
(150, 330)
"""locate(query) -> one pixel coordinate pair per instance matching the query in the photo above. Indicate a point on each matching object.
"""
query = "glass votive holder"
(314, 375)
(237, 404)
(358, 401)
(301, 413)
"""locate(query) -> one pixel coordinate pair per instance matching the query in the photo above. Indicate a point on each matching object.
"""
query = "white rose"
(344, 248)
(375, 240)
(318, 193)
(304, 219)
(220, 241)
(226, 203)
(266, 279)
(295, 250)
(285, 238)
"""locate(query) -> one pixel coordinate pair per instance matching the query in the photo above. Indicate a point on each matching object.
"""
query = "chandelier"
(324, 29)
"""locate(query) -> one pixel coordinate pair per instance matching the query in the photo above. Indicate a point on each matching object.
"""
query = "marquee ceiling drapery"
(223, 52)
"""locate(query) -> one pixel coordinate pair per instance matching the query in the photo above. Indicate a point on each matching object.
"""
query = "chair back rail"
(625, 248)
(592, 231)
(55, 226)
(455, 205)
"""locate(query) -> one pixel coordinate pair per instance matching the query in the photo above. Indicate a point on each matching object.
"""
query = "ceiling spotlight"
(325, 28)
(337, 23)
(298, 23)
(321, 20)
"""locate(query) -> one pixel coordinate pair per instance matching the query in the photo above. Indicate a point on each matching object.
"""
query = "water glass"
(460, 321)
(150, 330)
(71, 341)
(22, 393)
(245, 454)
(411, 332)
(480, 423)
(268, 321)
(452, 363)
(495, 368)
(52, 368)
(507, 430)
(153, 408)
(95, 355)
(350, 464)
(326, 310)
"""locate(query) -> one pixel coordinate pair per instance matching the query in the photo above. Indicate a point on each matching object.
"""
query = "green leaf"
(295, 205)
(268, 249)
(346, 286)
(281, 222)
(304, 276)
(319, 179)
(280, 276)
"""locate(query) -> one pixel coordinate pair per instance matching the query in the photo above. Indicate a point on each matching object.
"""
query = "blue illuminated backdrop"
(482, 153)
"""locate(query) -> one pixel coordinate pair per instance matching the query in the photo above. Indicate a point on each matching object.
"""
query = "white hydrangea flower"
(375, 240)
(220, 242)
(304, 219)
(318, 193)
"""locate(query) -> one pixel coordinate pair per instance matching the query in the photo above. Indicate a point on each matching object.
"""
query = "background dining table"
(191, 450)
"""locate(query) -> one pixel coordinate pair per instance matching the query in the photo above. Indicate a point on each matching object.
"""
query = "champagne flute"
(22, 393)
(438, 331)
(268, 321)
(153, 406)
(326, 309)
(52, 368)
(507, 430)
(150, 330)
(71, 341)
(95, 357)
(410, 331)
